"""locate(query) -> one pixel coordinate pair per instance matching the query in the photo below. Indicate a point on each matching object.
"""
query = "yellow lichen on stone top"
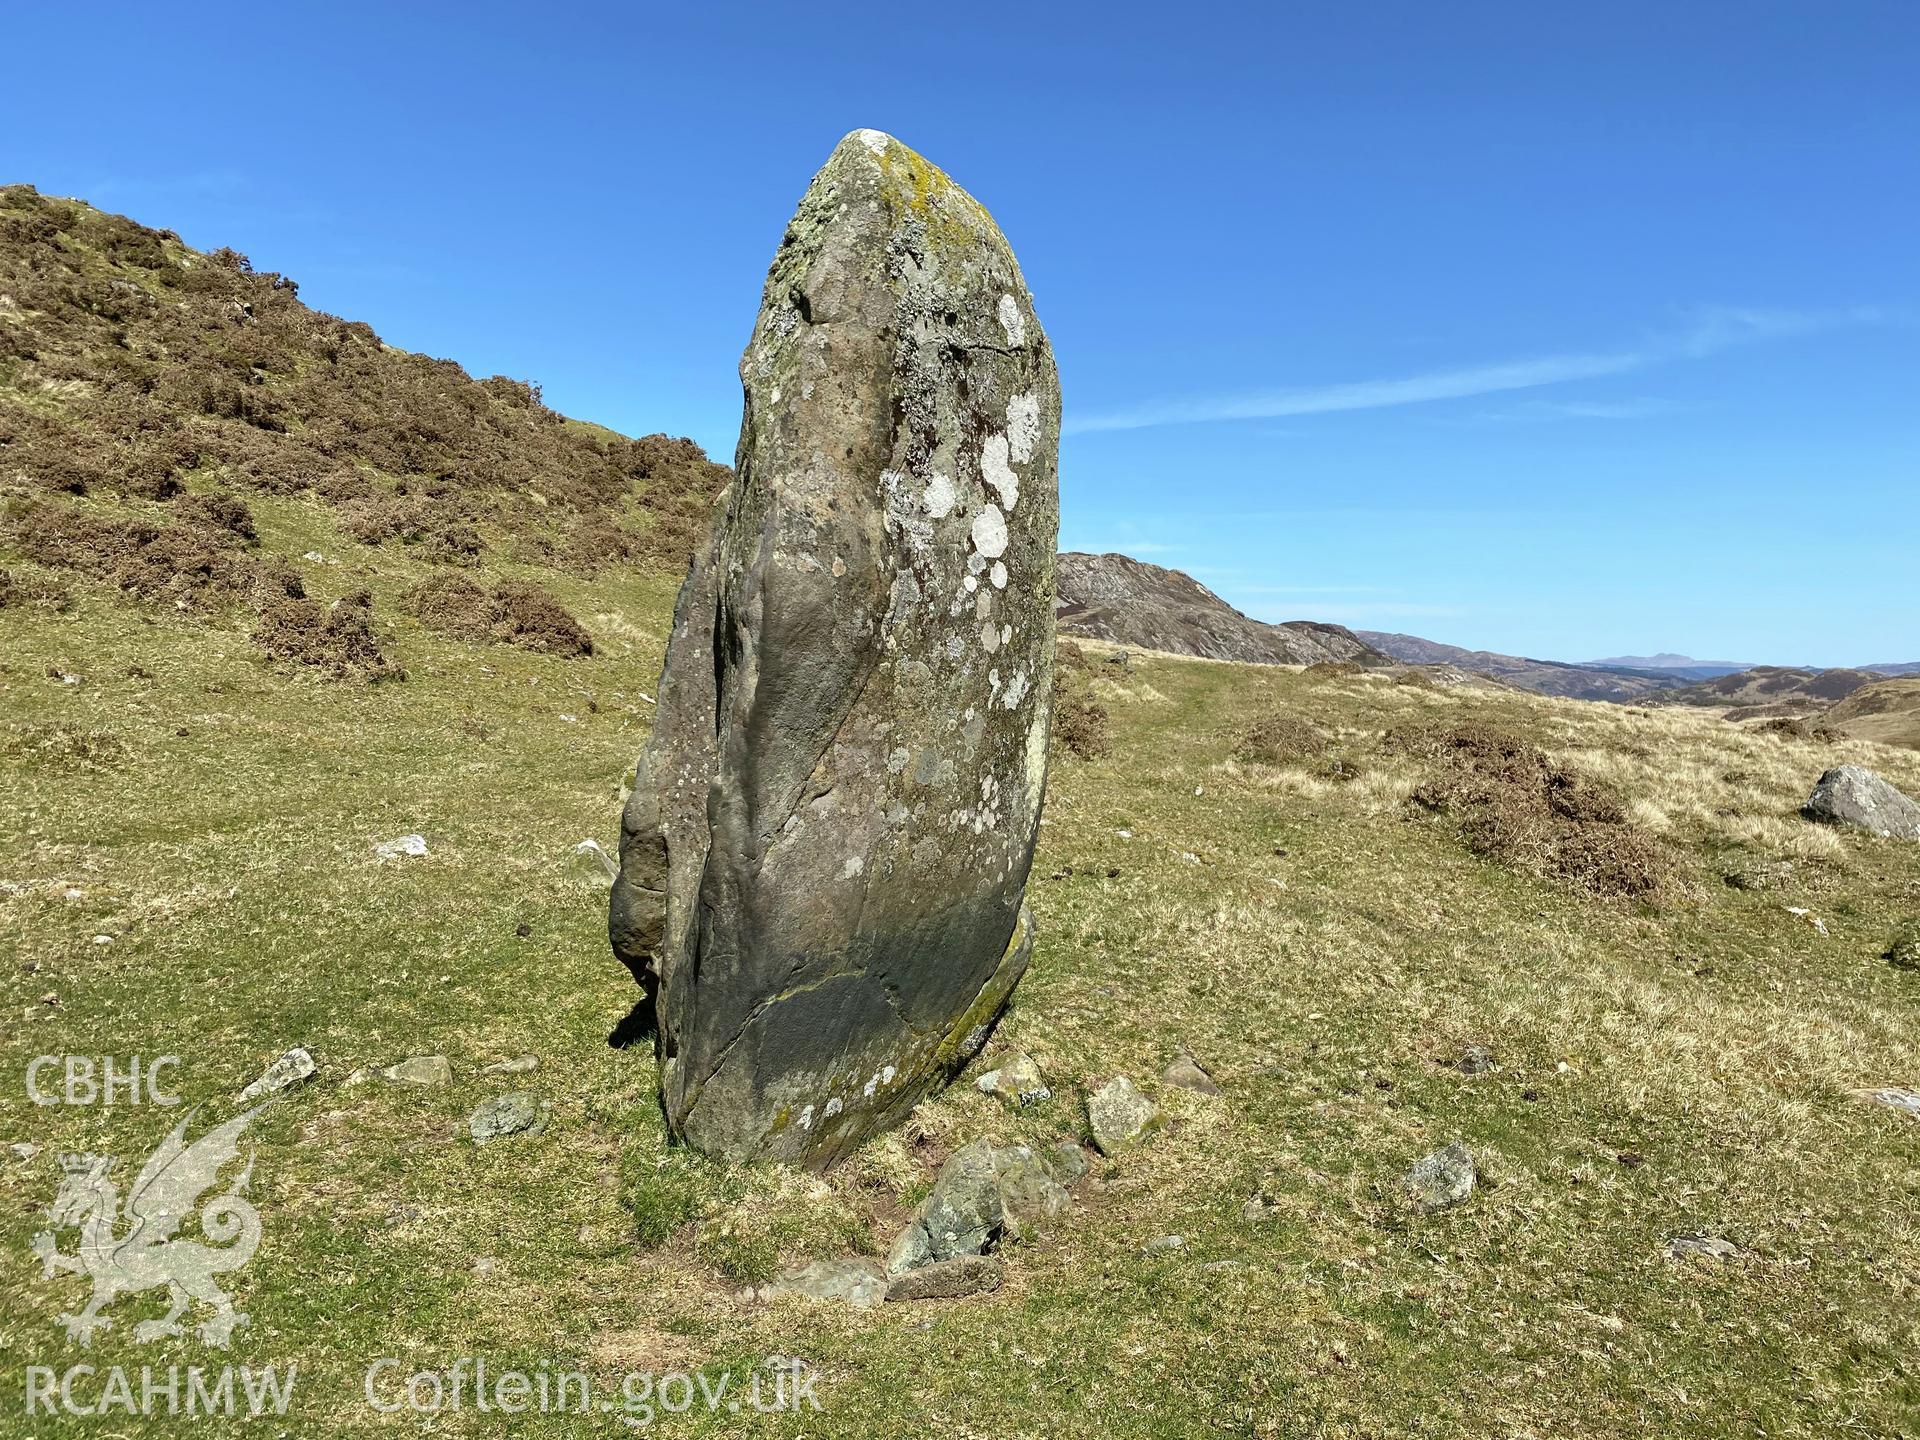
(920, 190)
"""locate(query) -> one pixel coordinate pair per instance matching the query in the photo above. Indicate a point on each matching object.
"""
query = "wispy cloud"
(1534, 412)
(1708, 332)
(1368, 615)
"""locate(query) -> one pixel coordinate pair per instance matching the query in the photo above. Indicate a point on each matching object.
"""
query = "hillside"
(1773, 690)
(154, 400)
(1542, 677)
(1887, 711)
(1132, 603)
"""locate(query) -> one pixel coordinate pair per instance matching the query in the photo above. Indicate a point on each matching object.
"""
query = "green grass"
(219, 817)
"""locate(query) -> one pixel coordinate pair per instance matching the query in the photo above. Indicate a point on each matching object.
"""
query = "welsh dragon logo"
(146, 1255)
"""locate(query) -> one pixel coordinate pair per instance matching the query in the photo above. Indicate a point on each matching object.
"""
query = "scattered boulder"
(401, 847)
(426, 1070)
(1188, 1074)
(518, 1065)
(516, 1113)
(825, 851)
(1475, 1060)
(1032, 1189)
(948, 1279)
(859, 1283)
(1119, 1115)
(1165, 1244)
(289, 1070)
(1854, 795)
(1895, 1098)
(1699, 1247)
(983, 1194)
(1443, 1179)
(23, 1150)
(1068, 1163)
(1017, 1081)
(962, 1215)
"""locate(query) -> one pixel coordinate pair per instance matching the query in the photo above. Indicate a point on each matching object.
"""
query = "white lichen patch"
(998, 575)
(990, 533)
(973, 584)
(1012, 321)
(1023, 425)
(989, 638)
(854, 866)
(998, 473)
(1016, 690)
(1036, 759)
(940, 498)
(875, 140)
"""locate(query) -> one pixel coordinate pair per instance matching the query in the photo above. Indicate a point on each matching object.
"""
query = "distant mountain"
(1129, 602)
(1666, 662)
(1906, 667)
(1543, 677)
(1774, 689)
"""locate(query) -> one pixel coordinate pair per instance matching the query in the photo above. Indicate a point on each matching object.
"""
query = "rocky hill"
(1129, 602)
(1542, 677)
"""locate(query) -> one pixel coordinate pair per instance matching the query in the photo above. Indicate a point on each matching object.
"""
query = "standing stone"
(824, 855)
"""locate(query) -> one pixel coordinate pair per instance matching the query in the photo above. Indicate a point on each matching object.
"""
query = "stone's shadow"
(641, 1023)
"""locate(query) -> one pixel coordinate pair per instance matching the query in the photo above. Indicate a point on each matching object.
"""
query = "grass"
(1324, 949)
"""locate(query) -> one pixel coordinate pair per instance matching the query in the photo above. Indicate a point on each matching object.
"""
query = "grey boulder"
(985, 1194)
(1854, 795)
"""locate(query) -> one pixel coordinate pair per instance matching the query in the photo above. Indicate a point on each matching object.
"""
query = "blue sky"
(1564, 329)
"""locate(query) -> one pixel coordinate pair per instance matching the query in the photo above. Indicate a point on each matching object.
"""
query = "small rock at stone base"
(860, 1283)
(1702, 1247)
(511, 1114)
(429, 1070)
(1443, 1179)
(290, 1069)
(1898, 1099)
(1119, 1115)
(1189, 1074)
(948, 1279)
(1475, 1060)
(519, 1065)
(1017, 1081)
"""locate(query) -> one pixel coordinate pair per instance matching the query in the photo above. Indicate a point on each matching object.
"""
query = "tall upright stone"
(824, 855)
